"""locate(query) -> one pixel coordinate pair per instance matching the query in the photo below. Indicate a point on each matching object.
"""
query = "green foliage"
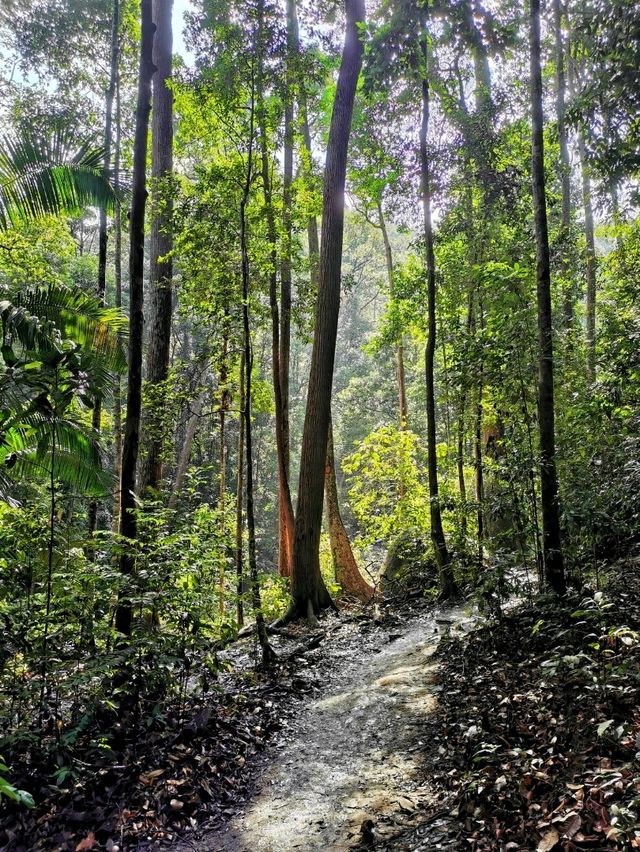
(50, 176)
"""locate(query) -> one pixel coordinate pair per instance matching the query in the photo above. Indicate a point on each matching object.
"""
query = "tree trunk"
(128, 523)
(222, 461)
(402, 393)
(285, 513)
(565, 166)
(312, 224)
(117, 393)
(161, 246)
(590, 260)
(102, 227)
(346, 567)
(307, 586)
(185, 452)
(239, 498)
(447, 580)
(267, 652)
(552, 547)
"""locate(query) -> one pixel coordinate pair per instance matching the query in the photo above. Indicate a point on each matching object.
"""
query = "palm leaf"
(50, 176)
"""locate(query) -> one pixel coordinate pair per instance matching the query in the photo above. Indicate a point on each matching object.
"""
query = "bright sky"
(179, 8)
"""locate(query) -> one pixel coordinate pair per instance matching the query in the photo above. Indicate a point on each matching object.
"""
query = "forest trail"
(354, 752)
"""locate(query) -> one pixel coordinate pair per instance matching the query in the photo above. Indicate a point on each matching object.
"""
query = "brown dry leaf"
(88, 843)
(551, 839)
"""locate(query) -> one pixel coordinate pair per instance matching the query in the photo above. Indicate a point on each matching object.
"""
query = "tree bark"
(447, 581)
(403, 412)
(312, 224)
(346, 567)
(117, 264)
(279, 371)
(552, 547)
(267, 652)
(239, 556)
(161, 246)
(307, 586)
(102, 227)
(222, 460)
(591, 263)
(565, 166)
(128, 522)
(185, 452)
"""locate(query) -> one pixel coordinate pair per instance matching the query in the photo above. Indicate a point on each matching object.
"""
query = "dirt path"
(354, 752)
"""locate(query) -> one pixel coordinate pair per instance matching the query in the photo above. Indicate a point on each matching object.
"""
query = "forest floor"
(348, 769)
(420, 730)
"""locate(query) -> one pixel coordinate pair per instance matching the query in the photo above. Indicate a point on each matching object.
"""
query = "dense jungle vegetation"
(312, 307)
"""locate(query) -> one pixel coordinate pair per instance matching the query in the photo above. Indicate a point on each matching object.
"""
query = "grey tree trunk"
(161, 246)
(552, 547)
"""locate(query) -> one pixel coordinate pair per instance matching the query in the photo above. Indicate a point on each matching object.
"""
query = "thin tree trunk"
(286, 523)
(239, 498)
(307, 586)
(222, 461)
(117, 248)
(403, 412)
(161, 246)
(590, 260)
(552, 547)
(312, 224)
(102, 227)
(447, 580)
(128, 521)
(565, 166)
(285, 514)
(185, 452)
(268, 654)
(346, 567)
(478, 458)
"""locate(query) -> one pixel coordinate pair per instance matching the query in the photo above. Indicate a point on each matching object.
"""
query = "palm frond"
(29, 451)
(50, 176)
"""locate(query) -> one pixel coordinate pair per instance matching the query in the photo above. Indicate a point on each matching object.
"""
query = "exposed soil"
(348, 770)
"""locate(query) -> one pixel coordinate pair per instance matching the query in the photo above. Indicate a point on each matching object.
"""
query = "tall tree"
(307, 586)
(447, 580)
(278, 347)
(161, 246)
(552, 546)
(565, 163)
(102, 239)
(131, 442)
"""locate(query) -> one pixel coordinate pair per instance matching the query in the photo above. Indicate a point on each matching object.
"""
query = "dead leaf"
(88, 843)
(551, 839)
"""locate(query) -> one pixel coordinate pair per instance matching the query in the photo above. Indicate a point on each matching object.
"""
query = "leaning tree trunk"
(161, 246)
(185, 451)
(346, 567)
(307, 586)
(447, 581)
(552, 548)
(128, 522)
(102, 227)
